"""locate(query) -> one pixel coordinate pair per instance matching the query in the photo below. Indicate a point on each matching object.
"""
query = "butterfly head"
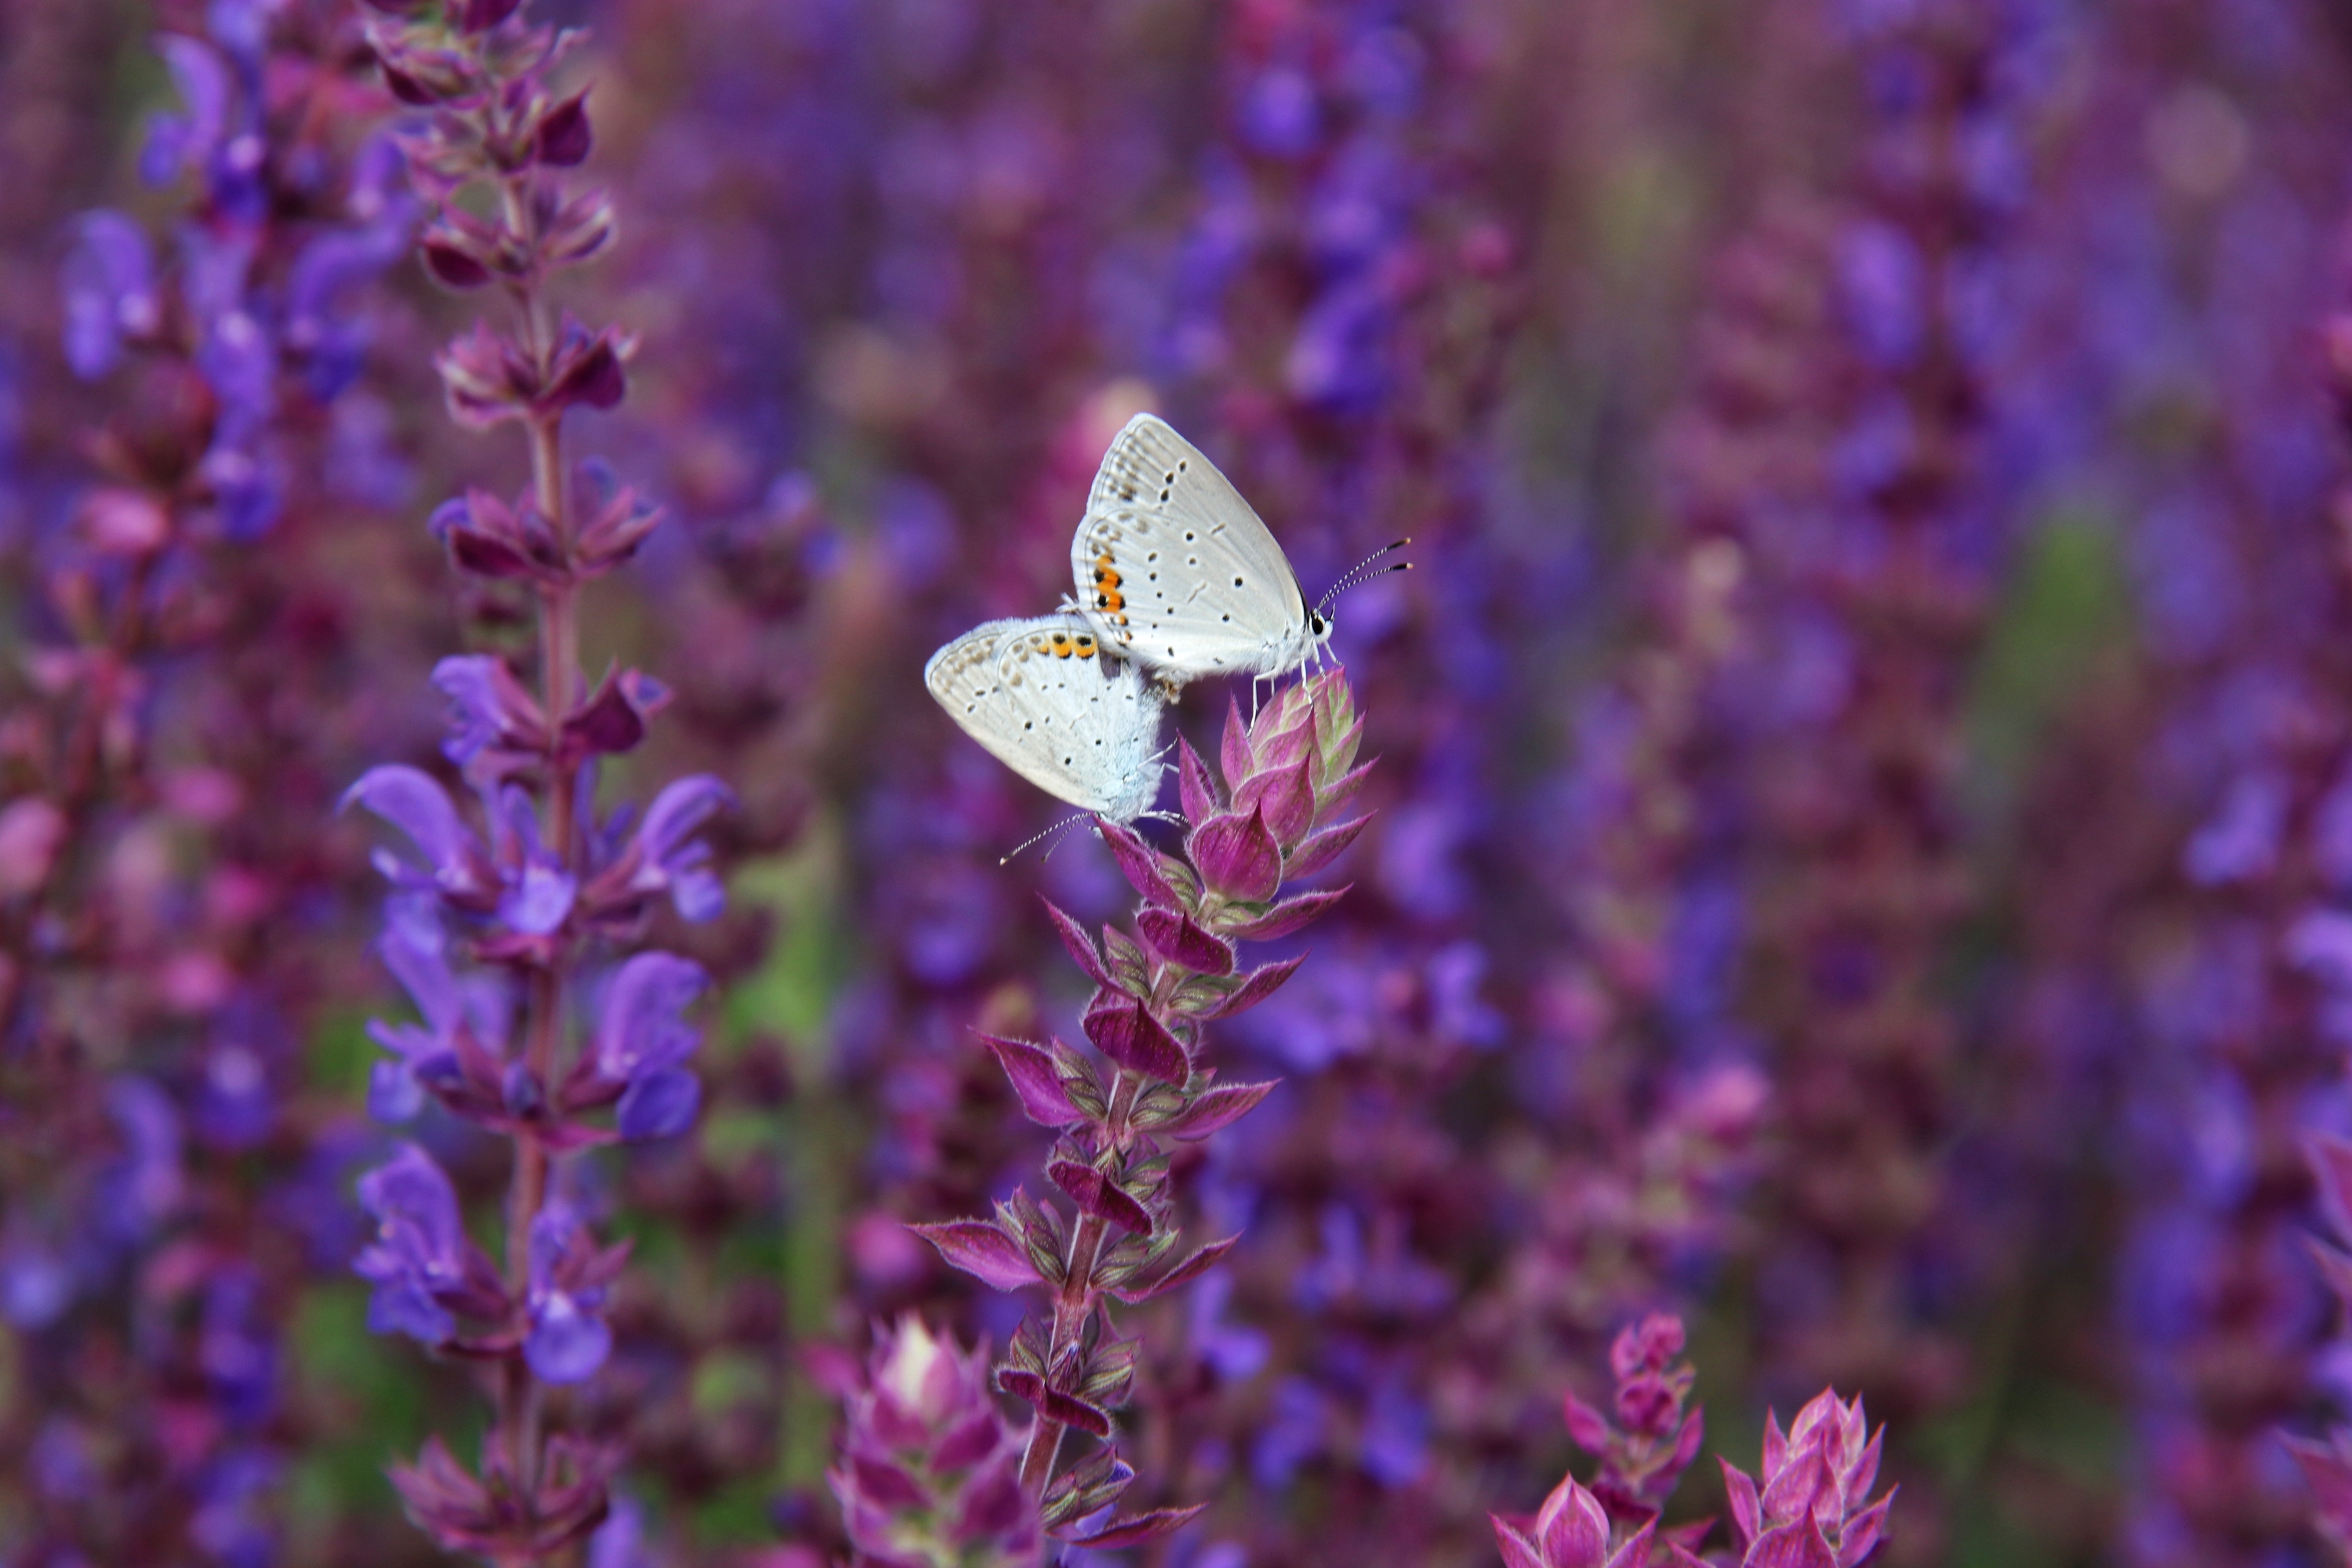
(1318, 618)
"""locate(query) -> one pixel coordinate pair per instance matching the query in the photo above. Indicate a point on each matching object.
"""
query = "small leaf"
(1082, 946)
(1234, 748)
(1129, 970)
(1586, 1426)
(453, 268)
(1136, 1292)
(1139, 861)
(1214, 1108)
(564, 136)
(1123, 1029)
(1053, 1405)
(1288, 916)
(1261, 982)
(1238, 856)
(1285, 796)
(1035, 1081)
(1196, 789)
(1098, 1196)
(1137, 1528)
(1322, 847)
(1178, 939)
(984, 1251)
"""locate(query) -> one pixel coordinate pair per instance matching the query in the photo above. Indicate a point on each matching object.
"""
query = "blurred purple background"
(1862, 831)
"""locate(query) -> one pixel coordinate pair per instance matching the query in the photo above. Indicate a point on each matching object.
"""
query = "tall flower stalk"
(1273, 818)
(545, 898)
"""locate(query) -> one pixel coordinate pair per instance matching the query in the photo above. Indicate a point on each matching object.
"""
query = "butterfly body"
(1039, 696)
(1176, 571)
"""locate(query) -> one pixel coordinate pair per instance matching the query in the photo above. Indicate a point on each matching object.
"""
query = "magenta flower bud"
(1237, 856)
(1571, 1531)
(930, 1470)
(1809, 1504)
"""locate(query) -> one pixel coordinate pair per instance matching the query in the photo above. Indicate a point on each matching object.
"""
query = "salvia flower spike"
(525, 895)
(1277, 811)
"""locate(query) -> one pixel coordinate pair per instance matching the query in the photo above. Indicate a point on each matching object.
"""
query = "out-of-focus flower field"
(514, 1015)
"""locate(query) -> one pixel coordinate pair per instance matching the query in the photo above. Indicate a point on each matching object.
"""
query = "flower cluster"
(1644, 1452)
(1809, 1507)
(505, 934)
(931, 1469)
(1273, 815)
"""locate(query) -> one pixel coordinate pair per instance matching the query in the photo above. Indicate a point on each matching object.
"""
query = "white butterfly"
(1039, 697)
(1175, 571)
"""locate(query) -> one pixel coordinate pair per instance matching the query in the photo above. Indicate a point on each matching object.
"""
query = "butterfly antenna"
(1055, 833)
(1362, 571)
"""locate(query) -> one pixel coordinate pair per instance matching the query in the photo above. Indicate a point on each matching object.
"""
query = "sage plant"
(511, 937)
(1809, 1507)
(1273, 818)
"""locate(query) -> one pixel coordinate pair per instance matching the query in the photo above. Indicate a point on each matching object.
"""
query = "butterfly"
(1176, 571)
(1038, 696)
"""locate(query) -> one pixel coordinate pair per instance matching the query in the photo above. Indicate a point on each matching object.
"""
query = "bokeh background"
(1862, 796)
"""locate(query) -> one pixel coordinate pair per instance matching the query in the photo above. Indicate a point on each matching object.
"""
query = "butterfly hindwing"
(1176, 571)
(1039, 696)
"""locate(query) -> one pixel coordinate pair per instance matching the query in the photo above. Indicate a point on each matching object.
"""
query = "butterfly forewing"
(1039, 697)
(1175, 570)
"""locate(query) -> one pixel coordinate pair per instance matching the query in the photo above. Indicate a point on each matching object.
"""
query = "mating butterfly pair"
(1177, 578)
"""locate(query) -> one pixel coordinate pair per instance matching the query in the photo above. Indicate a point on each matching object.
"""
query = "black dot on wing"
(1237, 581)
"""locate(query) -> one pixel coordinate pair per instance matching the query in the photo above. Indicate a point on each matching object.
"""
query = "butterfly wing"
(1175, 570)
(1037, 695)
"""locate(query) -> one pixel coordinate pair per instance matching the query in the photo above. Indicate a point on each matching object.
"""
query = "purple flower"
(110, 292)
(173, 140)
(665, 858)
(36, 1283)
(567, 1342)
(491, 714)
(232, 1521)
(416, 953)
(642, 1037)
(409, 799)
(420, 1259)
(538, 886)
(1570, 1532)
(144, 1185)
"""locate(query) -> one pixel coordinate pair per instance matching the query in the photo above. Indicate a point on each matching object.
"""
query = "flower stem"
(1073, 1306)
(520, 1399)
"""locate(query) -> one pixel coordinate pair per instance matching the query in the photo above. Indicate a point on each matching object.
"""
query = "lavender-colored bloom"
(643, 1037)
(2242, 837)
(412, 801)
(192, 136)
(538, 884)
(234, 1522)
(36, 1285)
(110, 292)
(144, 1185)
(567, 1342)
(668, 858)
(419, 1252)
(416, 953)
